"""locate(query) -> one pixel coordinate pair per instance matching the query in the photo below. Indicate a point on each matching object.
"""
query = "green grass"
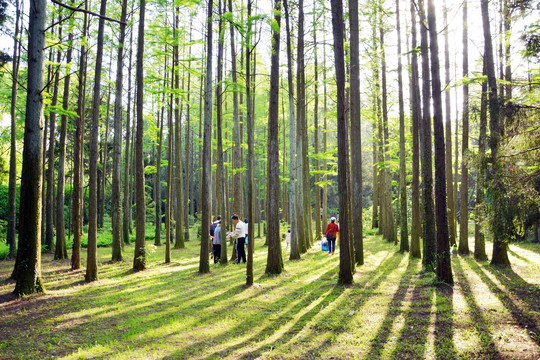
(169, 311)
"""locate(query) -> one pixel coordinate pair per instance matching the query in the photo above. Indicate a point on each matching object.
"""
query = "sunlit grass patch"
(169, 311)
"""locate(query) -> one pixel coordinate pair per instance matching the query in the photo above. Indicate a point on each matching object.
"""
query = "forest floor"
(169, 311)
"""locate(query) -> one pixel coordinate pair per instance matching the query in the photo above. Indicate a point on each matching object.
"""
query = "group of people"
(240, 235)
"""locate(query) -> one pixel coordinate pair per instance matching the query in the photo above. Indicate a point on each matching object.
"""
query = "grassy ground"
(171, 312)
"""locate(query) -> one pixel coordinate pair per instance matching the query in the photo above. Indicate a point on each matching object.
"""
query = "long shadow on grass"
(480, 323)
(394, 309)
(287, 307)
(524, 319)
(517, 286)
(411, 343)
(444, 323)
(326, 331)
(518, 256)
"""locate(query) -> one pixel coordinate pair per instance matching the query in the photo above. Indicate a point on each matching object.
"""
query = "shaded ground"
(171, 312)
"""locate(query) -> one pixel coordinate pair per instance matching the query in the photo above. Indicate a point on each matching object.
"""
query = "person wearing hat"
(331, 234)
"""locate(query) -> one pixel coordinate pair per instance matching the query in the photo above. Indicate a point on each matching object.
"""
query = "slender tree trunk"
(448, 135)
(415, 115)
(404, 231)
(49, 210)
(274, 263)
(168, 215)
(250, 165)
(429, 259)
(444, 264)
(139, 258)
(127, 194)
(60, 248)
(105, 152)
(345, 273)
(204, 266)
(91, 265)
(317, 188)
(78, 148)
(28, 264)
(295, 224)
(464, 212)
(500, 244)
(116, 201)
(302, 233)
(157, 182)
(188, 200)
(179, 243)
(325, 163)
(356, 133)
(479, 240)
(12, 187)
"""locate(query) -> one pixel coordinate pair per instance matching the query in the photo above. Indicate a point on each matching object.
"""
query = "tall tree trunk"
(500, 244)
(105, 153)
(157, 182)
(325, 163)
(251, 160)
(77, 152)
(28, 264)
(60, 248)
(415, 115)
(204, 266)
(274, 263)
(139, 258)
(317, 188)
(448, 134)
(444, 264)
(49, 205)
(179, 243)
(12, 188)
(464, 212)
(116, 201)
(220, 172)
(404, 231)
(345, 273)
(356, 133)
(188, 200)
(429, 259)
(91, 265)
(479, 240)
(390, 231)
(168, 215)
(302, 236)
(126, 223)
(295, 224)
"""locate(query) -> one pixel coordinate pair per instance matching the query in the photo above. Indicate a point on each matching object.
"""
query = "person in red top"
(331, 234)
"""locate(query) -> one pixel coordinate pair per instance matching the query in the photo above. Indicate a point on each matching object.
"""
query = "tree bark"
(274, 263)
(448, 135)
(356, 135)
(444, 264)
(429, 260)
(295, 250)
(126, 223)
(345, 273)
(404, 231)
(464, 193)
(60, 248)
(116, 210)
(500, 244)
(78, 145)
(415, 115)
(139, 258)
(28, 264)
(12, 187)
(179, 243)
(91, 266)
(204, 266)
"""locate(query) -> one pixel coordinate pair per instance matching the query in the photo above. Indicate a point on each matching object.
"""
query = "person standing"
(239, 233)
(331, 234)
(216, 243)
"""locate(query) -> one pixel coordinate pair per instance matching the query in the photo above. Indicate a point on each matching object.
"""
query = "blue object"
(324, 247)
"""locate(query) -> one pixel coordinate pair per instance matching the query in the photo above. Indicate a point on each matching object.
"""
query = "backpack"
(212, 229)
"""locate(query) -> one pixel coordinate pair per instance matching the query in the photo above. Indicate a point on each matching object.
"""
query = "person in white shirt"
(239, 233)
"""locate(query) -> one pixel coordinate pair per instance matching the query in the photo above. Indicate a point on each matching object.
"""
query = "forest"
(127, 128)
